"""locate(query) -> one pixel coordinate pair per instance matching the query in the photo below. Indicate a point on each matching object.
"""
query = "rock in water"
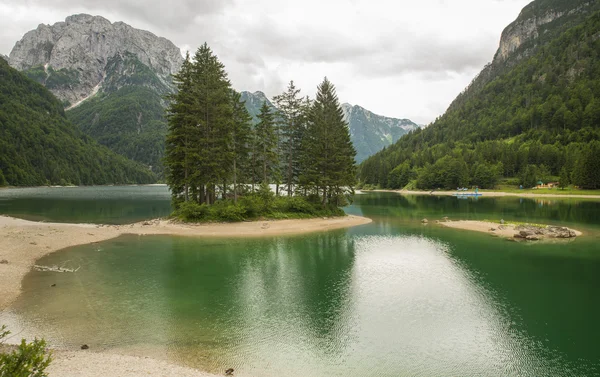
(85, 347)
(229, 372)
(424, 221)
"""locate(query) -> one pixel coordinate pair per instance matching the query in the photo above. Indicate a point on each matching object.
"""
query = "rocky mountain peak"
(81, 47)
(537, 19)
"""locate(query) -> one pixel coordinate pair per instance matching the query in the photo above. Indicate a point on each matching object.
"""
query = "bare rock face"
(521, 31)
(80, 49)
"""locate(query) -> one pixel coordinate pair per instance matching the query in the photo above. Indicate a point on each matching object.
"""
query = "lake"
(92, 204)
(391, 298)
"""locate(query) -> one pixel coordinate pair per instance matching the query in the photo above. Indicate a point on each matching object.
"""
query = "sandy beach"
(24, 242)
(493, 194)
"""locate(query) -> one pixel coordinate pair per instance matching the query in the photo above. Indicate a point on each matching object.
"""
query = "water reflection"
(561, 211)
(101, 204)
(391, 298)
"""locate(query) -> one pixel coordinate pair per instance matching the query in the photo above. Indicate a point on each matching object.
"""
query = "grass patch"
(545, 191)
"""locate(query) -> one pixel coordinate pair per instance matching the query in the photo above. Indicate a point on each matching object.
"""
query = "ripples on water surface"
(392, 298)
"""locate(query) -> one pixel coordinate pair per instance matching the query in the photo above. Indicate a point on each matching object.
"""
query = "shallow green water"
(96, 204)
(391, 298)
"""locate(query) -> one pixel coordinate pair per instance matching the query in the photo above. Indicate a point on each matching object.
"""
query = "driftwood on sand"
(55, 268)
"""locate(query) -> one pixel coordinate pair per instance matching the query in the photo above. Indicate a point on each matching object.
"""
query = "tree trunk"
(234, 182)
(264, 164)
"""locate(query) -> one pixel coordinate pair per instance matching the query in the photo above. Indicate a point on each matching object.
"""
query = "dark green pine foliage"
(328, 153)
(292, 125)
(181, 135)
(200, 150)
(242, 139)
(213, 111)
(539, 116)
(39, 146)
(266, 158)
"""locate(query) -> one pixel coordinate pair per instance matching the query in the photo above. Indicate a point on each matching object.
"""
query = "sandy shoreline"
(24, 242)
(492, 194)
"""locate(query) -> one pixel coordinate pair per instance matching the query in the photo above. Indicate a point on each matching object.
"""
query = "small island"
(297, 162)
(515, 231)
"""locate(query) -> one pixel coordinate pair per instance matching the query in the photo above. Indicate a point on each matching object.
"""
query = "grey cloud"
(309, 45)
(432, 59)
(156, 12)
(407, 52)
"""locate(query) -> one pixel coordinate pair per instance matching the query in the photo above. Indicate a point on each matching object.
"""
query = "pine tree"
(292, 129)
(200, 148)
(327, 142)
(266, 159)
(213, 112)
(242, 136)
(180, 135)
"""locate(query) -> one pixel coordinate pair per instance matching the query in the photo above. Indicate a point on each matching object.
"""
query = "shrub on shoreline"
(27, 360)
(254, 207)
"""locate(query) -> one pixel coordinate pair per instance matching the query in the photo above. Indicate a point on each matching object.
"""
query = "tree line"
(537, 121)
(214, 154)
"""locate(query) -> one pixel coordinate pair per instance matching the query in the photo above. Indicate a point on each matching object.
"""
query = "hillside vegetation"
(128, 114)
(39, 146)
(538, 120)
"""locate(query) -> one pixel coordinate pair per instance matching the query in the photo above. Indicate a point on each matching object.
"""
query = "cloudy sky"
(405, 59)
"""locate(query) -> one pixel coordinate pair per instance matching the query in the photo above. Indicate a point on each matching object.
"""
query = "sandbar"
(23, 242)
(507, 231)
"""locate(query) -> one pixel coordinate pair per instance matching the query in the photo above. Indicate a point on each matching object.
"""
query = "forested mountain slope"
(39, 146)
(539, 23)
(541, 118)
(110, 77)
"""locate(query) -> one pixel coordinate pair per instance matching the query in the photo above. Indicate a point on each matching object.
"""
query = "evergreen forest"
(295, 162)
(537, 121)
(40, 146)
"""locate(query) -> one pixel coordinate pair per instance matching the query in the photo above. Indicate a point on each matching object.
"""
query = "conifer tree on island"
(328, 162)
(214, 158)
(292, 127)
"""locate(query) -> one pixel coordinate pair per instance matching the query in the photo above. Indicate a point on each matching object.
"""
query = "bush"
(28, 360)
(192, 211)
(295, 204)
(228, 212)
(256, 206)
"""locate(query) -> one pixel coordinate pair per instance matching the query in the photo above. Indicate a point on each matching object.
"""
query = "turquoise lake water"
(391, 298)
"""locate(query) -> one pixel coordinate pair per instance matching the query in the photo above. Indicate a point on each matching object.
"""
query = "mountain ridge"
(111, 78)
(536, 118)
(369, 132)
